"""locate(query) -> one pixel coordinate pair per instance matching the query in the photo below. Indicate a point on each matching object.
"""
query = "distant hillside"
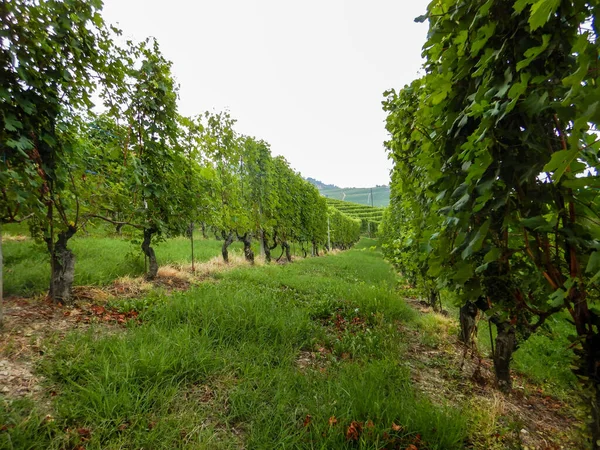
(369, 216)
(381, 194)
(320, 185)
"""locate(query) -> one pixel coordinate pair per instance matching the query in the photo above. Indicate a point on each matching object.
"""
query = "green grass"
(219, 366)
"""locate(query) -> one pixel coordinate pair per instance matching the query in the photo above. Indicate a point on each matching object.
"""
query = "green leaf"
(462, 273)
(11, 123)
(520, 5)
(560, 162)
(477, 241)
(461, 202)
(21, 145)
(593, 264)
(533, 53)
(557, 298)
(533, 223)
(541, 12)
(483, 35)
(518, 89)
(582, 183)
(492, 255)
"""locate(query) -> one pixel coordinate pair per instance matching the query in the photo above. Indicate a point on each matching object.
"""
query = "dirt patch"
(450, 373)
(28, 322)
(315, 360)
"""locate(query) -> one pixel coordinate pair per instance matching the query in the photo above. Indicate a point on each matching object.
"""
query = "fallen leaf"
(98, 310)
(353, 431)
(307, 420)
(85, 433)
(332, 421)
(396, 427)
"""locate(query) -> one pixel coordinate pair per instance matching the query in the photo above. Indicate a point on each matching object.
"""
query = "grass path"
(318, 354)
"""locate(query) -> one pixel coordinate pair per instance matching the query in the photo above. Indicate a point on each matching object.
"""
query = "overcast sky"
(307, 76)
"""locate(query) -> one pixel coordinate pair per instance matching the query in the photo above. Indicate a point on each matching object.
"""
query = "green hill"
(362, 196)
(369, 216)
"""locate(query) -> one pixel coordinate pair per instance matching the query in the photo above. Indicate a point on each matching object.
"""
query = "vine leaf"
(541, 12)
(560, 162)
(477, 241)
(593, 265)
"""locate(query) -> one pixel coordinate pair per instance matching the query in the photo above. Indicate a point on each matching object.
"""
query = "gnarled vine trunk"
(227, 240)
(506, 344)
(149, 252)
(434, 300)
(590, 369)
(468, 323)
(248, 252)
(266, 248)
(203, 228)
(286, 247)
(1, 280)
(315, 248)
(588, 359)
(62, 271)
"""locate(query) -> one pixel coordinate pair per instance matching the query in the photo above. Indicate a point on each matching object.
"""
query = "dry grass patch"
(14, 237)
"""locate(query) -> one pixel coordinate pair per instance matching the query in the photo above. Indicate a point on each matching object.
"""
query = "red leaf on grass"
(353, 431)
(307, 420)
(396, 427)
(98, 310)
(84, 433)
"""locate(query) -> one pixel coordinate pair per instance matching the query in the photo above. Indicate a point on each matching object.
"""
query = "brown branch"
(541, 314)
(115, 222)
(12, 219)
(76, 198)
(552, 282)
(560, 132)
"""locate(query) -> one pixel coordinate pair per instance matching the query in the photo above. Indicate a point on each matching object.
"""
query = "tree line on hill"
(495, 182)
(139, 163)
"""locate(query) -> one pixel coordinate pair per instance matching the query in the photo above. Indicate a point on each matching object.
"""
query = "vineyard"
(139, 164)
(378, 196)
(167, 282)
(369, 216)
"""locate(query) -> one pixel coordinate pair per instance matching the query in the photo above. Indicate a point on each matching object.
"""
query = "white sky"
(307, 77)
